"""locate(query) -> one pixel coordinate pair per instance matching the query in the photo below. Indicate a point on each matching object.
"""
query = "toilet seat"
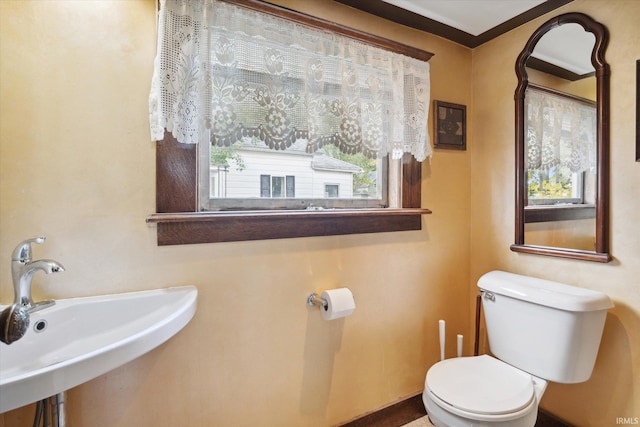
(480, 386)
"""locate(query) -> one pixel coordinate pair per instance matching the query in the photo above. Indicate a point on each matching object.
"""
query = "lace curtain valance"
(560, 132)
(224, 72)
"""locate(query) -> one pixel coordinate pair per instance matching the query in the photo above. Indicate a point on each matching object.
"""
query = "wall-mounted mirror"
(562, 141)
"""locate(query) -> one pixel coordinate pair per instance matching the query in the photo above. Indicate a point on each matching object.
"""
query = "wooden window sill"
(211, 227)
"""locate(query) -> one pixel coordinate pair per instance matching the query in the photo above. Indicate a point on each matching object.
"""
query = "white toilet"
(538, 331)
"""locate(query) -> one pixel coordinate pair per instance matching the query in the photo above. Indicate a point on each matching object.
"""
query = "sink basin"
(79, 339)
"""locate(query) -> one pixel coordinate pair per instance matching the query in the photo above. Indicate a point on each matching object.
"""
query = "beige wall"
(614, 389)
(78, 166)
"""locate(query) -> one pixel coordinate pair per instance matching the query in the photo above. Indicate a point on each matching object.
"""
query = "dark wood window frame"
(179, 222)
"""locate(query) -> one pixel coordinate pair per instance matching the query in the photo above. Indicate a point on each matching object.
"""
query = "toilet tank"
(548, 329)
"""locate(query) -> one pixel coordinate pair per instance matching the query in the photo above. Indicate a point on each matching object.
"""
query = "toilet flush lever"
(488, 295)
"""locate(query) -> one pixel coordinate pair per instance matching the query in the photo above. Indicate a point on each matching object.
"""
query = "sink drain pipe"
(51, 412)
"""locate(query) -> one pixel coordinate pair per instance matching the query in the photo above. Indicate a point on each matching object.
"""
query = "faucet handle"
(22, 252)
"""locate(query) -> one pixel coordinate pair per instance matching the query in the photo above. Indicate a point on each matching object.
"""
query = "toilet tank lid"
(544, 292)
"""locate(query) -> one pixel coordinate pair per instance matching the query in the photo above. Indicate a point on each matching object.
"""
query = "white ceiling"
(471, 16)
(568, 46)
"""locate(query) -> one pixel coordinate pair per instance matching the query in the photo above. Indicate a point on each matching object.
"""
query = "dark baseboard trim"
(546, 419)
(396, 415)
(412, 408)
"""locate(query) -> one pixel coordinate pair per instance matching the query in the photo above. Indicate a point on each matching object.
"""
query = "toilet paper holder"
(314, 300)
(333, 303)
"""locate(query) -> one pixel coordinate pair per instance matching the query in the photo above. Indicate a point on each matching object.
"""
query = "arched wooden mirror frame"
(602, 72)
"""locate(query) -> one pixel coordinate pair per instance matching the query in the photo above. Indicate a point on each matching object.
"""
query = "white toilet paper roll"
(340, 303)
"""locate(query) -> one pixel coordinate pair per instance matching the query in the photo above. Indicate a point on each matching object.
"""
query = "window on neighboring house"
(332, 190)
(277, 186)
(278, 109)
(212, 186)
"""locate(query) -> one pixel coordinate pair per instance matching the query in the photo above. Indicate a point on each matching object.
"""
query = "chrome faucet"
(14, 320)
(22, 271)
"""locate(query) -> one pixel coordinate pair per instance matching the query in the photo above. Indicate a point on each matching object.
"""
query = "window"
(212, 185)
(180, 218)
(277, 186)
(555, 186)
(332, 190)
(248, 173)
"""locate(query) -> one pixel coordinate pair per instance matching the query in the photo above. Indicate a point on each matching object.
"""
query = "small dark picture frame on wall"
(638, 110)
(450, 125)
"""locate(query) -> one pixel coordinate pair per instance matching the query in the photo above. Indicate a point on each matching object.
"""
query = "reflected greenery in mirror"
(562, 141)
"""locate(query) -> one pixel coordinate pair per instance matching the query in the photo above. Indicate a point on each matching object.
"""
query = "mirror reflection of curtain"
(560, 131)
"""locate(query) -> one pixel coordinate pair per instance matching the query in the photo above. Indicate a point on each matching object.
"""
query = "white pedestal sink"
(79, 339)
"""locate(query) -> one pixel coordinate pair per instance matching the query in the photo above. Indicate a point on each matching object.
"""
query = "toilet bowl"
(481, 391)
(538, 331)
